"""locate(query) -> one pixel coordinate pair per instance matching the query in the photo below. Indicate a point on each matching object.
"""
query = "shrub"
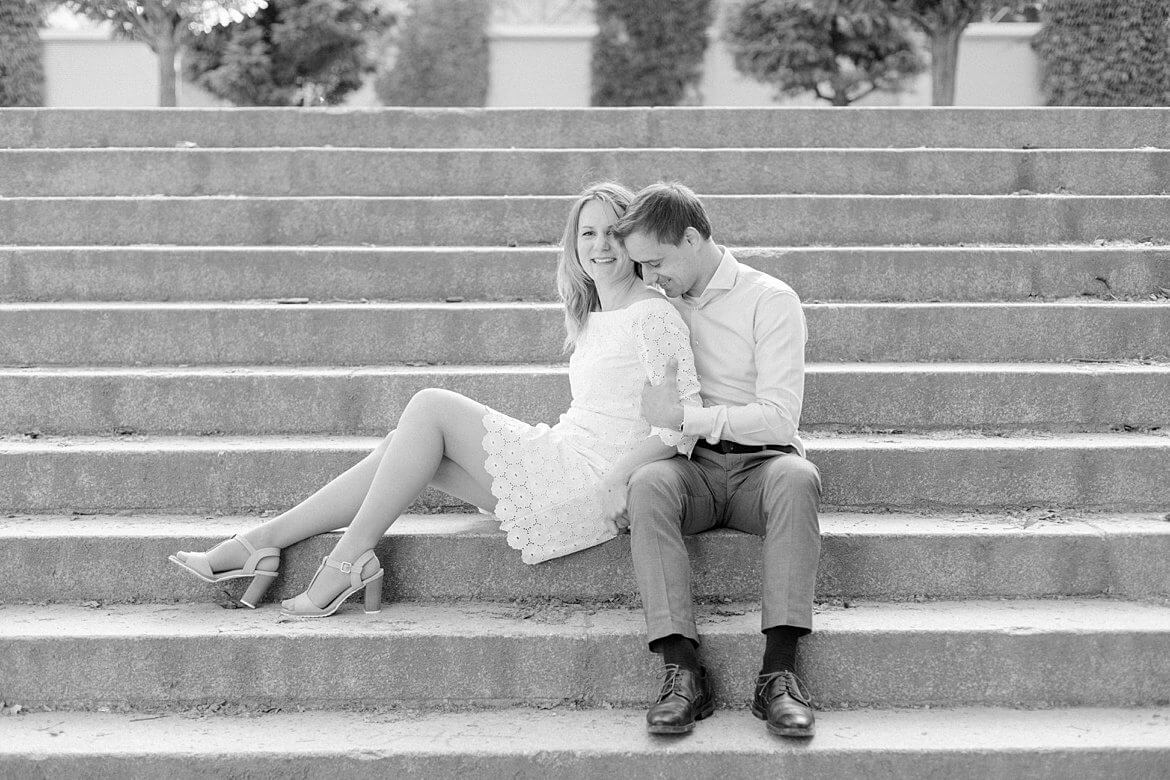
(649, 53)
(442, 57)
(22, 75)
(1105, 54)
(294, 52)
(839, 51)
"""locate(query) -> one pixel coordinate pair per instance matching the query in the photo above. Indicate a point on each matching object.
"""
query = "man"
(747, 472)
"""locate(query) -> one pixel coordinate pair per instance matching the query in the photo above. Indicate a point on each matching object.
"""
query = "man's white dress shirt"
(748, 334)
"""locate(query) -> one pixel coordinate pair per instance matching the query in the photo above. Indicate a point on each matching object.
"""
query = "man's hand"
(613, 502)
(660, 403)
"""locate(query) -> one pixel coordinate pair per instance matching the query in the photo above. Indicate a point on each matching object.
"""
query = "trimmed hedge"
(649, 53)
(291, 53)
(22, 74)
(442, 57)
(839, 53)
(1105, 54)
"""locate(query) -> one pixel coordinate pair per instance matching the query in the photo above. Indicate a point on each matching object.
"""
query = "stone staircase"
(206, 314)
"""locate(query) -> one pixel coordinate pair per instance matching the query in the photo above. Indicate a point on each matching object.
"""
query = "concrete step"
(1027, 554)
(1011, 128)
(987, 653)
(1092, 744)
(368, 401)
(153, 273)
(227, 475)
(517, 220)
(200, 333)
(380, 172)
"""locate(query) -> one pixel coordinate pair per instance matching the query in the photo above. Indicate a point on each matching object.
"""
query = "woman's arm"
(614, 484)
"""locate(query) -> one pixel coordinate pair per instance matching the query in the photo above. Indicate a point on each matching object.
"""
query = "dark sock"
(677, 649)
(780, 651)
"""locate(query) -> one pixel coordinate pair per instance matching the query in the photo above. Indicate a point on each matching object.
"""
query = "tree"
(22, 75)
(840, 50)
(442, 57)
(649, 53)
(943, 22)
(294, 52)
(164, 25)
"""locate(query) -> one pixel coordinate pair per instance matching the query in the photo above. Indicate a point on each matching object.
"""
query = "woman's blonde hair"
(576, 289)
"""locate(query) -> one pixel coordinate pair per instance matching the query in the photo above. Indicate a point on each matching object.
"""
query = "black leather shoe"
(685, 698)
(782, 701)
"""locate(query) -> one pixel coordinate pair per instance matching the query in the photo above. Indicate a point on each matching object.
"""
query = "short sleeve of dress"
(661, 334)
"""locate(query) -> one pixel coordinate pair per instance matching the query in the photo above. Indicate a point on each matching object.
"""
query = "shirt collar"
(724, 279)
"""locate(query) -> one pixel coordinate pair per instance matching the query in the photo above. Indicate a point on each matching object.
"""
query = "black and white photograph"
(593, 389)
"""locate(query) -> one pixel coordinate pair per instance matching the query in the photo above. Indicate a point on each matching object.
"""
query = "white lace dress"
(545, 479)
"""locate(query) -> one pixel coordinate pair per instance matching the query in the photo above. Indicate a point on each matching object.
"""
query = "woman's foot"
(225, 556)
(335, 581)
(232, 559)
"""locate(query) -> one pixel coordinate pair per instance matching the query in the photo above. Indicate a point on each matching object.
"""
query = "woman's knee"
(429, 402)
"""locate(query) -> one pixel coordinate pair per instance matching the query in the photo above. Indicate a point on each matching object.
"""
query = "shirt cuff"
(701, 421)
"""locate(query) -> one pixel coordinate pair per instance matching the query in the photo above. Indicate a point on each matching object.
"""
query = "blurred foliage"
(442, 56)
(1018, 11)
(145, 20)
(294, 52)
(943, 22)
(542, 12)
(22, 76)
(1105, 54)
(165, 26)
(649, 53)
(840, 50)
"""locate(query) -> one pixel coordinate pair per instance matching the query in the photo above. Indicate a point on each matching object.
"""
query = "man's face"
(675, 269)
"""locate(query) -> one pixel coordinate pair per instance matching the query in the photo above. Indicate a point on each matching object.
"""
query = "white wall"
(540, 66)
(544, 66)
(85, 69)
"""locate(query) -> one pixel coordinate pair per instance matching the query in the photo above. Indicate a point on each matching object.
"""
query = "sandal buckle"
(345, 567)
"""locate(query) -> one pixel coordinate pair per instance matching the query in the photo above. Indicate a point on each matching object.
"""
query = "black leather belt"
(734, 448)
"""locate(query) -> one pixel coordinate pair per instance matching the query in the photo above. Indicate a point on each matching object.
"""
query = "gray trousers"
(769, 494)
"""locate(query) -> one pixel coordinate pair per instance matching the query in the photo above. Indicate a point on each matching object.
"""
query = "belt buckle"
(726, 447)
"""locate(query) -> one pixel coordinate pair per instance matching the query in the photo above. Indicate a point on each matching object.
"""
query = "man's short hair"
(664, 210)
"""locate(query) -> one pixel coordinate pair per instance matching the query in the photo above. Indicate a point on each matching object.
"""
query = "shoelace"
(669, 680)
(792, 685)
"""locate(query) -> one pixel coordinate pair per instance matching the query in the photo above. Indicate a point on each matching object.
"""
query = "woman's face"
(602, 256)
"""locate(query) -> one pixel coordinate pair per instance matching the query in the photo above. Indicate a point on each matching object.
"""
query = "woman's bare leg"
(437, 426)
(337, 502)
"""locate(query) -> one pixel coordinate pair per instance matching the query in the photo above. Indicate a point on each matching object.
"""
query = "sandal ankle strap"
(353, 569)
(255, 556)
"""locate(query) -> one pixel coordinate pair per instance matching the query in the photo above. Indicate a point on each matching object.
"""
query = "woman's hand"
(613, 501)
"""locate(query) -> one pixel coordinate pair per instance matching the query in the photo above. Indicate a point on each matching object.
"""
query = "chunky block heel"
(374, 595)
(256, 590)
(302, 606)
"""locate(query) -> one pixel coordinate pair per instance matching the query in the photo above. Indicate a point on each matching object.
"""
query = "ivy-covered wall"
(1113, 53)
(22, 78)
(442, 57)
(649, 53)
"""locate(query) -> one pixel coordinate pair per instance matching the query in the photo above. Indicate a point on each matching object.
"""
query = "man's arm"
(779, 333)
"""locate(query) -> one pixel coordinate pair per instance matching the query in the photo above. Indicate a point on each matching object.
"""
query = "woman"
(555, 490)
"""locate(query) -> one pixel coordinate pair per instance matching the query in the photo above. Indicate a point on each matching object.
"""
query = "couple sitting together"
(686, 403)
